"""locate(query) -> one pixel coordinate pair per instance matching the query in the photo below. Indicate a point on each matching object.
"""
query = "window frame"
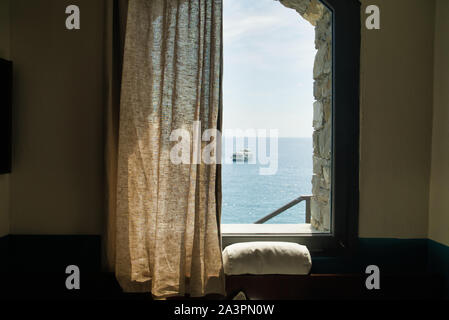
(346, 31)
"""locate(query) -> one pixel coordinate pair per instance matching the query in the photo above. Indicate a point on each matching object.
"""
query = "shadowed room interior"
(54, 202)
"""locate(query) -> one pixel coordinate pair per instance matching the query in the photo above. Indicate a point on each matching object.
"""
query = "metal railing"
(288, 206)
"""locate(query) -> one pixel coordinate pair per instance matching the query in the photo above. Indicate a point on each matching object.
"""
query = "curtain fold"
(115, 26)
(163, 234)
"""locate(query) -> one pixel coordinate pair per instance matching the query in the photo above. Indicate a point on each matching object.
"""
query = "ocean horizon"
(249, 196)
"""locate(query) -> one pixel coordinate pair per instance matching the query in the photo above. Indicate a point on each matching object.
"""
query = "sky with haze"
(268, 68)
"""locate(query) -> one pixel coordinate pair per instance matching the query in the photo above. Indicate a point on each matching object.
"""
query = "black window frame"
(346, 35)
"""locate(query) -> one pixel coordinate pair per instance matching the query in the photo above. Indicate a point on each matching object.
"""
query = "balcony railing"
(288, 206)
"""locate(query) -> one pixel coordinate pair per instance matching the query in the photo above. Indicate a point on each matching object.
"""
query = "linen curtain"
(164, 234)
(115, 26)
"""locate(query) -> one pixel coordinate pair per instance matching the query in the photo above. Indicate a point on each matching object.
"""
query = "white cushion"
(266, 257)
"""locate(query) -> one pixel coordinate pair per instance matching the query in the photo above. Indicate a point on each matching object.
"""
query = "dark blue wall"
(49, 254)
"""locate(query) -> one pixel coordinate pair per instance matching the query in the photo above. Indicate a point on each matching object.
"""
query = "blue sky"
(268, 67)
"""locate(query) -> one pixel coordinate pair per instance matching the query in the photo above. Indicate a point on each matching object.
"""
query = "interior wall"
(5, 39)
(56, 184)
(396, 119)
(4, 205)
(57, 178)
(439, 181)
(5, 50)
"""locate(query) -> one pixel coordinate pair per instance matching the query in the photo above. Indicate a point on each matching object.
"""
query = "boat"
(242, 156)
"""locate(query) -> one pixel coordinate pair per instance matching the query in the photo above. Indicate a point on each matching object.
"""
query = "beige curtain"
(166, 223)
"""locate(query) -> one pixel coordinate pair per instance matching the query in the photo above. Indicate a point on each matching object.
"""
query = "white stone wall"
(320, 17)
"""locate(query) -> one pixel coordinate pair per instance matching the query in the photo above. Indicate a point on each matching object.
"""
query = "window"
(325, 217)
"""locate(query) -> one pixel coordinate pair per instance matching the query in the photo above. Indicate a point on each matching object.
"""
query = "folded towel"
(266, 257)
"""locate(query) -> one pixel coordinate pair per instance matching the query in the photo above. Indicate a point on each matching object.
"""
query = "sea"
(249, 196)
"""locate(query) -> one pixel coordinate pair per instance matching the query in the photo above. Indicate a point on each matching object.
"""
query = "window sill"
(267, 229)
(315, 241)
